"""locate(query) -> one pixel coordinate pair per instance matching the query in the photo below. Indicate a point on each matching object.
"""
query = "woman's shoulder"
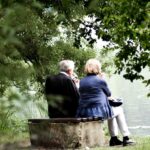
(99, 80)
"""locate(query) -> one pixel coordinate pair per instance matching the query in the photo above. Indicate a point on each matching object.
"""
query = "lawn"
(22, 142)
(142, 143)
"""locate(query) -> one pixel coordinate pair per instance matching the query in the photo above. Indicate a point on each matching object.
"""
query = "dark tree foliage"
(31, 44)
(125, 24)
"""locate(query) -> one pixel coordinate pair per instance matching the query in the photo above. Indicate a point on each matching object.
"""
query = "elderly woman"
(94, 93)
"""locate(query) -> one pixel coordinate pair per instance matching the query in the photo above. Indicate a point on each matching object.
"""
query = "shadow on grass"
(23, 145)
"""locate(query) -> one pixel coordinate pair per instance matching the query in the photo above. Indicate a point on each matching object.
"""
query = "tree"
(36, 34)
(124, 24)
(31, 39)
(30, 43)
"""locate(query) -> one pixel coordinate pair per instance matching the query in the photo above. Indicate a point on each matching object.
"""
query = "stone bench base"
(62, 133)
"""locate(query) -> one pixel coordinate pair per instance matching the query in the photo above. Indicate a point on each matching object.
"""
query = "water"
(136, 103)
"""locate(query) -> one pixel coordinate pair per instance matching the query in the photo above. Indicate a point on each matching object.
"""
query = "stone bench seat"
(63, 133)
(65, 120)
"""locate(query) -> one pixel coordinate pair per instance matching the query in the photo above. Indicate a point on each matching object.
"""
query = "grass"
(14, 141)
(18, 139)
(142, 143)
(10, 137)
(21, 142)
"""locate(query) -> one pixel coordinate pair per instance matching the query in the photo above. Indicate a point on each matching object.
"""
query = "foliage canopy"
(125, 25)
(31, 41)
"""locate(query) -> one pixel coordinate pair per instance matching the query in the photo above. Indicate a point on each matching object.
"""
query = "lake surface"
(136, 103)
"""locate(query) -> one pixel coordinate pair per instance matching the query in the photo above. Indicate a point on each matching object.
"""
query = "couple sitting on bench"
(67, 99)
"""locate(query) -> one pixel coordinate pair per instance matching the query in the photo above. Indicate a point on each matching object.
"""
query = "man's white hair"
(66, 65)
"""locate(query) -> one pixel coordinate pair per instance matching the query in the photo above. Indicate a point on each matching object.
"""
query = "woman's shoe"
(127, 141)
(114, 141)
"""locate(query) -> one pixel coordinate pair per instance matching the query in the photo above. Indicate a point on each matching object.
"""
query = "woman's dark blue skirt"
(104, 112)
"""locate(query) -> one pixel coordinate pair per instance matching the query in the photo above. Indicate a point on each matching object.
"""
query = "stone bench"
(62, 133)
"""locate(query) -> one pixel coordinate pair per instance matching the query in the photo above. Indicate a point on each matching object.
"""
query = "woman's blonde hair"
(92, 66)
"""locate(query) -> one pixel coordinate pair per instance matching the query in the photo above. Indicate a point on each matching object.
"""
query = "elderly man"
(61, 92)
